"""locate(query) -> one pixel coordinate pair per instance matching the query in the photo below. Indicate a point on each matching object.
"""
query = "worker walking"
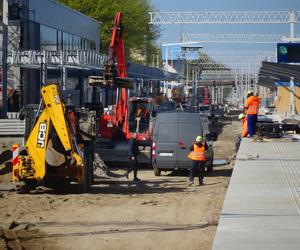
(243, 118)
(133, 152)
(197, 155)
(251, 109)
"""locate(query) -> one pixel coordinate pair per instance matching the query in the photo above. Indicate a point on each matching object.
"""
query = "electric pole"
(4, 58)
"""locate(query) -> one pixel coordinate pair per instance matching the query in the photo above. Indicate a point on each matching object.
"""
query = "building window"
(66, 41)
(48, 38)
(83, 44)
(87, 44)
(76, 42)
(53, 40)
(59, 40)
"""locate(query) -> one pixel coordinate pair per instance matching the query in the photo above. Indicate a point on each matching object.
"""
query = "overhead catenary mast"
(229, 17)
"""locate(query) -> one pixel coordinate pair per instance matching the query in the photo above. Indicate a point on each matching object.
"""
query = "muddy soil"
(158, 213)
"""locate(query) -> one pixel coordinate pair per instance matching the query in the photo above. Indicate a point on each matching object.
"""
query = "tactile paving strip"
(290, 168)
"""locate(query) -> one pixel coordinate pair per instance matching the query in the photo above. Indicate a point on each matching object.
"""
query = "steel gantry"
(233, 38)
(243, 76)
(225, 17)
(243, 68)
(230, 56)
(229, 17)
(227, 59)
(239, 52)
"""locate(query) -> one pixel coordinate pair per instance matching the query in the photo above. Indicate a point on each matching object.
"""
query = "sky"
(171, 33)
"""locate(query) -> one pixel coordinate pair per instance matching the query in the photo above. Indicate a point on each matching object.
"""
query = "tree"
(140, 36)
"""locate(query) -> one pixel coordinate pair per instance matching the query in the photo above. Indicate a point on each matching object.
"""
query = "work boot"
(201, 183)
(136, 179)
(126, 175)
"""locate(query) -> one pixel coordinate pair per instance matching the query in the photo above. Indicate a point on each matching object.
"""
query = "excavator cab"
(141, 111)
(139, 115)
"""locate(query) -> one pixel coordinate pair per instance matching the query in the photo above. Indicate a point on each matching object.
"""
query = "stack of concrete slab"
(262, 205)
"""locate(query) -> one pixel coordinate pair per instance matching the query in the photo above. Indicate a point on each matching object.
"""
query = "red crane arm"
(116, 49)
(116, 46)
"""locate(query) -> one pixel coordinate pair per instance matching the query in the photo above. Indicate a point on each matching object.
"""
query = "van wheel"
(157, 171)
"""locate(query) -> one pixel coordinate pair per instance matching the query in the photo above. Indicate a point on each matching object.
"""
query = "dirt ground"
(159, 213)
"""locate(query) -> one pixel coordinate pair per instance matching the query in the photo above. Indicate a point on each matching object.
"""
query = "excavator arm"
(115, 74)
(33, 165)
(115, 70)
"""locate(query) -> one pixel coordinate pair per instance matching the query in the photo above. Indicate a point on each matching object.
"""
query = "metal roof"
(274, 72)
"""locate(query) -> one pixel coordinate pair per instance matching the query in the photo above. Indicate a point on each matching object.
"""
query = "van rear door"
(187, 133)
(166, 145)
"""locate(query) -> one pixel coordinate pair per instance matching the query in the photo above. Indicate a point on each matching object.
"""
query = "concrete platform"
(262, 205)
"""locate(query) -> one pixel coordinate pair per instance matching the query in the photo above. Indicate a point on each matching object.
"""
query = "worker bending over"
(251, 109)
(243, 118)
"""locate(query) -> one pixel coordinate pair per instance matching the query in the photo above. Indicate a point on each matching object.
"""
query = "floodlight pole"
(292, 21)
(4, 59)
(292, 97)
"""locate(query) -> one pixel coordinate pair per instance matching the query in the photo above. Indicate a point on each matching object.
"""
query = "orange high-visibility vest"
(252, 105)
(245, 127)
(198, 154)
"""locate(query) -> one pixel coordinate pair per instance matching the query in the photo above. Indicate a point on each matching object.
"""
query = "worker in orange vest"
(243, 118)
(197, 155)
(251, 109)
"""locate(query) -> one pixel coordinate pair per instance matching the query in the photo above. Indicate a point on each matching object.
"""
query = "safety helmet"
(199, 138)
(241, 116)
(249, 92)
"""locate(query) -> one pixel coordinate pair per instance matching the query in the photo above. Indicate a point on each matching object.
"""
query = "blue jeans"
(252, 119)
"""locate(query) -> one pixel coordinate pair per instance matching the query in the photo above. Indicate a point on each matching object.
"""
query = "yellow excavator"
(59, 146)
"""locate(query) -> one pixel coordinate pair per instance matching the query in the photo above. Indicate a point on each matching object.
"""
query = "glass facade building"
(53, 40)
(47, 25)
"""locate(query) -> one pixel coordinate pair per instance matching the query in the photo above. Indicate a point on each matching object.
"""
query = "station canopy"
(270, 73)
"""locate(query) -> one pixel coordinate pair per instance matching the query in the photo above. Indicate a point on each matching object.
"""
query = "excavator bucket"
(126, 83)
(120, 82)
(97, 81)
